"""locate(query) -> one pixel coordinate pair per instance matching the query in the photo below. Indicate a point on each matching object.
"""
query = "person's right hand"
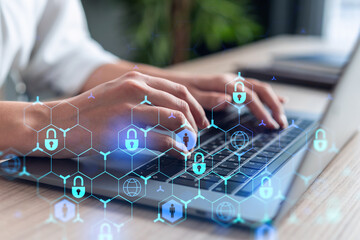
(114, 101)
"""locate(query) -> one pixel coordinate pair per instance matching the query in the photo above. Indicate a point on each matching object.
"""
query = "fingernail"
(206, 122)
(275, 124)
(286, 99)
(284, 120)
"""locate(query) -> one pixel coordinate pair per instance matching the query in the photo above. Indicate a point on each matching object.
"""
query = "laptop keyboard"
(265, 154)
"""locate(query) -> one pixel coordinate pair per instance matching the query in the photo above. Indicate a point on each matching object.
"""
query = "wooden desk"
(24, 213)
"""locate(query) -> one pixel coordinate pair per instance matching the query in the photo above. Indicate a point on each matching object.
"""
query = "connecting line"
(280, 196)
(293, 124)
(38, 101)
(158, 219)
(186, 202)
(24, 172)
(305, 179)
(118, 226)
(50, 219)
(185, 124)
(199, 195)
(240, 77)
(145, 178)
(238, 219)
(212, 124)
(105, 202)
(78, 218)
(64, 178)
(145, 100)
(64, 131)
(105, 154)
(37, 148)
(146, 131)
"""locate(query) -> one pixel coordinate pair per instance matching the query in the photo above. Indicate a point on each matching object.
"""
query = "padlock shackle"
(242, 84)
(103, 226)
(81, 181)
(202, 157)
(128, 133)
(263, 179)
(322, 131)
(52, 130)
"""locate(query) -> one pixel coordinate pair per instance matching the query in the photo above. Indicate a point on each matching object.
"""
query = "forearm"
(13, 131)
(109, 72)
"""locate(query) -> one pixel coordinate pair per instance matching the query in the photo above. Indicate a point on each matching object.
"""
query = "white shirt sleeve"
(64, 55)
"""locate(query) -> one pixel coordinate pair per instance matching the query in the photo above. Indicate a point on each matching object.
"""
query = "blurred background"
(164, 32)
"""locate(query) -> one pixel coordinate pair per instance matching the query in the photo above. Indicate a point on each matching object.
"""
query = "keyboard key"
(222, 171)
(239, 178)
(254, 165)
(248, 171)
(260, 159)
(186, 182)
(230, 165)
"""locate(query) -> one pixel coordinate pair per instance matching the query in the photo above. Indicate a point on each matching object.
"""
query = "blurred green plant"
(165, 31)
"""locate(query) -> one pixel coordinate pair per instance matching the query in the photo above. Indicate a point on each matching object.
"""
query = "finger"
(211, 99)
(164, 99)
(268, 96)
(283, 100)
(182, 92)
(161, 142)
(147, 115)
(258, 109)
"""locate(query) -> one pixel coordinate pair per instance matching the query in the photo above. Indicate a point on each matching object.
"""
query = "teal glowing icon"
(78, 191)
(199, 167)
(51, 143)
(320, 144)
(266, 191)
(131, 143)
(239, 97)
(105, 232)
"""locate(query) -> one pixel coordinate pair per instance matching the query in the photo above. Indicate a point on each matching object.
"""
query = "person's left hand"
(209, 91)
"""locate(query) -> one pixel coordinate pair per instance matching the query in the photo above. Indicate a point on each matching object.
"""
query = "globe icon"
(239, 139)
(225, 211)
(132, 187)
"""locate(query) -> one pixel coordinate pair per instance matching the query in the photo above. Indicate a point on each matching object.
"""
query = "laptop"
(247, 182)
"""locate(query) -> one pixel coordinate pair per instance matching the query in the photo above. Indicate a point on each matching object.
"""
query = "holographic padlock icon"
(320, 145)
(199, 167)
(266, 192)
(239, 97)
(131, 143)
(51, 143)
(78, 191)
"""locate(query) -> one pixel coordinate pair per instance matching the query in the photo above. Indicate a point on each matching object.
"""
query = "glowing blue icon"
(239, 97)
(131, 143)
(225, 211)
(199, 167)
(320, 144)
(239, 139)
(51, 143)
(64, 210)
(185, 139)
(11, 164)
(265, 232)
(172, 211)
(105, 232)
(78, 191)
(132, 187)
(266, 191)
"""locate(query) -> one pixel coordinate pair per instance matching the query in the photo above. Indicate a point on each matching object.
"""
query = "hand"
(115, 100)
(209, 91)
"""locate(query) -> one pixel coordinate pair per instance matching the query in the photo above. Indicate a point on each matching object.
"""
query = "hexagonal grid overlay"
(135, 141)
